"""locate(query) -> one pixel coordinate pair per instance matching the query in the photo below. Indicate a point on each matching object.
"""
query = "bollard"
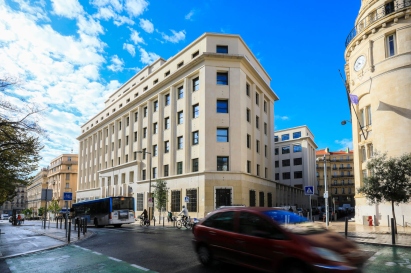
(375, 221)
(75, 223)
(65, 223)
(61, 223)
(393, 231)
(388, 220)
(78, 228)
(57, 222)
(346, 227)
(84, 226)
(163, 221)
(69, 232)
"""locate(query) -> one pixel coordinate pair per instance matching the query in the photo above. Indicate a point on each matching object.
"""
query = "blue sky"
(70, 54)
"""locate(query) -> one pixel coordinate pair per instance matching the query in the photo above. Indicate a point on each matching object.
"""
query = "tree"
(20, 143)
(389, 180)
(27, 212)
(54, 206)
(41, 211)
(160, 194)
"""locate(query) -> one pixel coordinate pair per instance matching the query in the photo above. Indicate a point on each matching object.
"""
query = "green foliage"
(41, 211)
(54, 206)
(390, 179)
(27, 212)
(160, 194)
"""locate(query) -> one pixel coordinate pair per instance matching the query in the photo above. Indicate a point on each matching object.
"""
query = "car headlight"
(329, 254)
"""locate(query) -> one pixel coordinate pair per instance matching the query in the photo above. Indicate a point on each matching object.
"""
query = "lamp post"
(149, 185)
(325, 192)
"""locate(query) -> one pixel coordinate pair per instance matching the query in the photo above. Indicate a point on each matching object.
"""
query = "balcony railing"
(381, 12)
(342, 175)
(345, 168)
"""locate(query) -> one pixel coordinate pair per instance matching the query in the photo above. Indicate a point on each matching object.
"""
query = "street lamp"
(149, 185)
(325, 191)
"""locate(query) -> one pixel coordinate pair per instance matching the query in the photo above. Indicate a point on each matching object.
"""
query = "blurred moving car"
(273, 240)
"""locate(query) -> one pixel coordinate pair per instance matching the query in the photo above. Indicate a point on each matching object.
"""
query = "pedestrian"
(19, 220)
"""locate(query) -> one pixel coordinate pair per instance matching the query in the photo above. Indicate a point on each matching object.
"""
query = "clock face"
(359, 63)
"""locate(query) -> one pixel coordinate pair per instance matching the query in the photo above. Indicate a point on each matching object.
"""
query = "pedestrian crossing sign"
(309, 190)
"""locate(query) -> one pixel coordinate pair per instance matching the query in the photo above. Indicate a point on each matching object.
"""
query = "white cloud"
(189, 15)
(135, 37)
(146, 25)
(67, 8)
(121, 20)
(117, 64)
(105, 13)
(176, 37)
(135, 7)
(281, 117)
(130, 48)
(147, 57)
(89, 26)
(344, 143)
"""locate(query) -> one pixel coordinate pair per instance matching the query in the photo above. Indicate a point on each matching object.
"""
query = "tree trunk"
(393, 215)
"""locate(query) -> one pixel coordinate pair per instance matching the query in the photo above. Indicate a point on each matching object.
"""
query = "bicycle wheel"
(179, 224)
(189, 225)
(141, 223)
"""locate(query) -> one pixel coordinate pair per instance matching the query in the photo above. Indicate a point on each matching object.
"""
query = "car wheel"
(295, 269)
(96, 223)
(204, 255)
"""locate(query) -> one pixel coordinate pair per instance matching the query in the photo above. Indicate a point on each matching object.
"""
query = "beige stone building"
(62, 177)
(34, 188)
(202, 121)
(378, 69)
(340, 178)
(295, 166)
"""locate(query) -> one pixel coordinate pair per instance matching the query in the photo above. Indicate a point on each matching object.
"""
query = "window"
(296, 135)
(192, 204)
(144, 132)
(67, 176)
(275, 138)
(155, 128)
(180, 142)
(195, 138)
(180, 167)
(248, 166)
(265, 106)
(222, 134)
(223, 220)
(222, 78)
(222, 163)
(145, 112)
(167, 123)
(257, 146)
(127, 121)
(166, 146)
(257, 98)
(155, 172)
(247, 89)
(276, 151)
(167, 99)
(297, 148)
(155, 81)
(155, 106)
(389, 7)
(140, 201)
(248, 141)
(222, 106)
(195, 165)
(167, 73)
(298, 161)
(134, 157)
(286, 175)
(144, 153)
(196, 111)
(175, 201)
(363, 154)
(248, 115)
(180, 92)
(261, 198)
(285, 150)
(119, 143)
(222, 49)
(265, 172)
(196, 84)
(145, 88)
(258, 170)
(277, 176)
(252, 198)
(390, 44)
(195, 54)
(143, 175)
(165, 170)
(265, 128)
(362, 117)
(285, 137)
(180, 64)
(269, 199)
(180, 117)
(257, 122)
(155, 152)
(126, 140)
(370, 152)
(119, 125)
(368, 110)
(277, 164)
(298, 174)
(135, 116)
(286, 162)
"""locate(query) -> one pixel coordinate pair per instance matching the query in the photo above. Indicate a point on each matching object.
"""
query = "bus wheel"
(117, 225)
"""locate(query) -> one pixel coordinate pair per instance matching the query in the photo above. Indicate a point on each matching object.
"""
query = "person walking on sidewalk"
(19, 219)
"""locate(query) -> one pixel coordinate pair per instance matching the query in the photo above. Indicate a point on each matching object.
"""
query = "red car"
(270, 240)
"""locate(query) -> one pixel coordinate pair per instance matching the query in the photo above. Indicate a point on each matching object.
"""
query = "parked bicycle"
(144, 222)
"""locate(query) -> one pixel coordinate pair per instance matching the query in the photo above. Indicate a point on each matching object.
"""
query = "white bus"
(106, 211)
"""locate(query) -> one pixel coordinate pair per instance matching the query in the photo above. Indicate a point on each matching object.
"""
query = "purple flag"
(354, 99)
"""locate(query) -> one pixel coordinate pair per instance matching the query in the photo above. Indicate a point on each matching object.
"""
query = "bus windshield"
(123, 203)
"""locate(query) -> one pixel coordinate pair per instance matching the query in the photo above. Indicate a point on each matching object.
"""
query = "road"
(146, 249)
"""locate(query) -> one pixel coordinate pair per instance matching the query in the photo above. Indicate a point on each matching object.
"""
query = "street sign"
(326, 194)
(186, 199)
(67, 196)
(309, 190)
(150, 204)
(46, 194)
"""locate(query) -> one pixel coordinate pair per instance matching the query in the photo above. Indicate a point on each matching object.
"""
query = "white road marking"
(98, 253)
(140, 267)
(114, 259)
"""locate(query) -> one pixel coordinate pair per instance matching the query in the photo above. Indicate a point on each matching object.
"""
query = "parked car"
(273, 240)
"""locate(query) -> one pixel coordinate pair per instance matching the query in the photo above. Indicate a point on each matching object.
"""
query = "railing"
(342, 175)
(381, 12)
(345, 168)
